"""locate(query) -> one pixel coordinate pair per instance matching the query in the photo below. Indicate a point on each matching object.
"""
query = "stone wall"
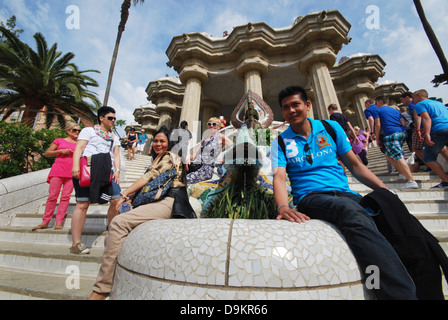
(22, 194)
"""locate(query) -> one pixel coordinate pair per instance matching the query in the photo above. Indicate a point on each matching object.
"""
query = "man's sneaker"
(80, 248)
(410, 185)
(441, 185)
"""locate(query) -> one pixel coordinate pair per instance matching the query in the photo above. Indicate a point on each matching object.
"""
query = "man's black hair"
(290, 91)
(103, 111)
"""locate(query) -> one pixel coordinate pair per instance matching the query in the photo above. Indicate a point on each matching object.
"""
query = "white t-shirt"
(96, 144)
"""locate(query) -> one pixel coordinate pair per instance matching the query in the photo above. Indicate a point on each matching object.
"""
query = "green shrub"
(21, 148)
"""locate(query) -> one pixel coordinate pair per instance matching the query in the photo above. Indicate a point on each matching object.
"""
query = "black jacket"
(417, 248)
(100, 174)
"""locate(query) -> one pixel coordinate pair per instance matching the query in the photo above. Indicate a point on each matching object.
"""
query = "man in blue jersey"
(391, 122)
(434, 116)
(320, 190)
(369, 113)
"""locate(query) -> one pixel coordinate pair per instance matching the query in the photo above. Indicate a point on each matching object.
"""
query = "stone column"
(194, 76)
(208, 109)
(316, 63)
(251, 70)
(358, 101)
(356, 91)
(165, 119)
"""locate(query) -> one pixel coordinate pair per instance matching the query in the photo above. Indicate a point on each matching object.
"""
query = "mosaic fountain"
(229, 258)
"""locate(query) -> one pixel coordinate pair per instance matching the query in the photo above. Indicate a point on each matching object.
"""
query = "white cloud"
(226, 21)
(401, 41)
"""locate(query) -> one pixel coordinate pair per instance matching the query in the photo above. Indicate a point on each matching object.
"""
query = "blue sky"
(400, 39)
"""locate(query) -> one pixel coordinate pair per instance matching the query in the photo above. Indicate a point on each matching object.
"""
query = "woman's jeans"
(56, 183)
(368, 245)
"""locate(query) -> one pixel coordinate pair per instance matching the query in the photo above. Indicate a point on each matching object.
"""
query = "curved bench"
(236, 259)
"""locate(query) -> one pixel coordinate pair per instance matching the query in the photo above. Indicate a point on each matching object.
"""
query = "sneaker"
(441, 185)
(409, 185)
(80, 248)
(401, 177)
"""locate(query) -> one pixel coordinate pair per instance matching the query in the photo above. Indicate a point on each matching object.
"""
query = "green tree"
(45, 77)
(125, 6)
(11, 26)
(119, 124)
(441, 78)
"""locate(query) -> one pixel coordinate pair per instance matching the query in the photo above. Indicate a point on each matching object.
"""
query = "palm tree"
(438, 79)
(43, 78)
(126, 5)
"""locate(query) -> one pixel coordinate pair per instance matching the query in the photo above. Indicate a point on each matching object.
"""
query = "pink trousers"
(56, 183)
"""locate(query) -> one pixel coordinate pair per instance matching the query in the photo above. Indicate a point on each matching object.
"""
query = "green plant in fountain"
(242, 197)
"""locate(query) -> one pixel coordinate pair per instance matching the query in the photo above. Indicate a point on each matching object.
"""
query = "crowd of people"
(318, 181)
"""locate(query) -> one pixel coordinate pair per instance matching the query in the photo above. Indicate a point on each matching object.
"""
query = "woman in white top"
(93, 141)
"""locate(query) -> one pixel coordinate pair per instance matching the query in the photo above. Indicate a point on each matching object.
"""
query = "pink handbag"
(84, 173)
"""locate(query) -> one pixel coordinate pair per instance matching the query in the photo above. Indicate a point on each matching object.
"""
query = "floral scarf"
(108, 136)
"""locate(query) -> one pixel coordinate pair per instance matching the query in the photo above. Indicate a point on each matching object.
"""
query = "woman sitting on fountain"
(174, 204)
(205, 155)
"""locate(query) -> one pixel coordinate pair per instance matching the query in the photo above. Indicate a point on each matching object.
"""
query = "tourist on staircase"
(174, 204)
(142, 137)
(103, 148)
(60, 176)
(390, 121)
(131, 140)
(434, 116)
(417, 142)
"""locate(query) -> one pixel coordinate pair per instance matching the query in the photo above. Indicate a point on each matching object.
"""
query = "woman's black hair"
(183, 124)
(163, 129)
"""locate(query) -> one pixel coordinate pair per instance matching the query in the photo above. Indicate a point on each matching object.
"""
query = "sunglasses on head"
(306, 148)
(76, 130)
(212, 124)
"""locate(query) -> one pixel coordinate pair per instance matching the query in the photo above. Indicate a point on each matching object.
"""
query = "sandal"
(58, 226)
(41, 226)
(79, 248)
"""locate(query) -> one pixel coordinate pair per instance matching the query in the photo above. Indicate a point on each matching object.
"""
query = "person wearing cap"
(142, 137)
(204, 157)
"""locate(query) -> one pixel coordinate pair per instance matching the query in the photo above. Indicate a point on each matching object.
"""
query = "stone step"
(51, 259)
(92, 237)
(93, 208)
(17, 284)
(30, 220)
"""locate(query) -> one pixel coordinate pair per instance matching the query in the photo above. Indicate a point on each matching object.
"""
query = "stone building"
(215, 72)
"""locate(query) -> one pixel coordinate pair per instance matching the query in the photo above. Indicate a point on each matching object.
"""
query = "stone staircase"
(38, 265)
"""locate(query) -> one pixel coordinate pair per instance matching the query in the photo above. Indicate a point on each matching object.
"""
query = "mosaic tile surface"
(236, 259)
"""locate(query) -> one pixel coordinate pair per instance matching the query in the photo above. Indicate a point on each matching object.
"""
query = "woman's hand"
(66, 151)
(120, 201)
